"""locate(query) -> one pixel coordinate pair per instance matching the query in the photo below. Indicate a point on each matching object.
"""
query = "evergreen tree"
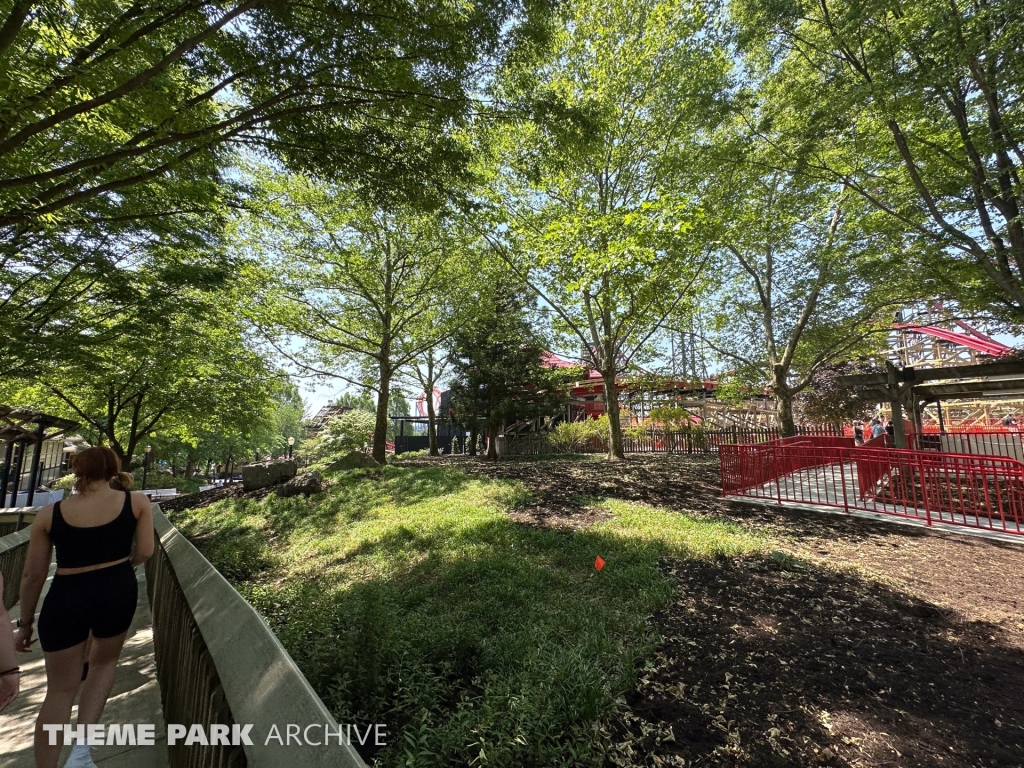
(498, 369)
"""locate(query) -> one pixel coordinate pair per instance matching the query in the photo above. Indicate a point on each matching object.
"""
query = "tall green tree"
(498, 367)
(916, 107)
(796, 292)
(186, 373)
(355, 284)
(427, 370)
(600, 218)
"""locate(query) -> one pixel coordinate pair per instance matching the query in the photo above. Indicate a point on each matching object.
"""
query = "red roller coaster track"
(972, 339)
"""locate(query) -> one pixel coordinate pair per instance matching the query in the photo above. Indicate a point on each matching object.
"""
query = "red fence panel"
(975, 491)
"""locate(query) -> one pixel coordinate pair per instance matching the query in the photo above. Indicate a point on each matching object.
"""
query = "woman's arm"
(9, 681)
(144, 540)
(37, 565)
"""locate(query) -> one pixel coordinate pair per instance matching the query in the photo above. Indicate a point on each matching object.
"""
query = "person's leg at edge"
(103, 658)
(63, 677)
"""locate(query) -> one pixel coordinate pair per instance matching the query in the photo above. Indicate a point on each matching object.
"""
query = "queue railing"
(983, 492)
(13, 550)
(218, 663)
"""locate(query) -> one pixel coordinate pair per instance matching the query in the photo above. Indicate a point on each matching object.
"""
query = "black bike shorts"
(101, 601)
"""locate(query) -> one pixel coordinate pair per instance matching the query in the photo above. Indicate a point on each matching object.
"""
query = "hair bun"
(122, 482)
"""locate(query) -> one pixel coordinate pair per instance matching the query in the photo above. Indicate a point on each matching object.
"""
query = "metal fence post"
(924, 491)
(842, 479)
(775, 471)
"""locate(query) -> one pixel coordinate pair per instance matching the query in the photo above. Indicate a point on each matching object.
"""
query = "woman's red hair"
(99, 463)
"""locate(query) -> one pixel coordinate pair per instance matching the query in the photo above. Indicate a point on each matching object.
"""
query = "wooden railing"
(13, 550)
(219, 663)
(16, 518)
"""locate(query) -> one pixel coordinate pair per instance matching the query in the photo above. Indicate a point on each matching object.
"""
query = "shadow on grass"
(467, 634)
(485, 636)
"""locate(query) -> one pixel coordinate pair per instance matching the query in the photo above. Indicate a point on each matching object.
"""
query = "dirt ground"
(854, 643)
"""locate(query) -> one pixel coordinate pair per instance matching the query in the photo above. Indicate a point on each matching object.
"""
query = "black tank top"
(80, 547)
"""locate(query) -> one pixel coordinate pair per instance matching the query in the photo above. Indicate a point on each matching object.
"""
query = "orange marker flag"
(599, 563)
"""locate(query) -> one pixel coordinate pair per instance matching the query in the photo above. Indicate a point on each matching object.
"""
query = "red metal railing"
(1007, 444)
(957, 489)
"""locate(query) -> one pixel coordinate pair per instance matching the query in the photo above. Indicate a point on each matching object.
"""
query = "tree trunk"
(380, 428)
(431, 424)
(784, 400)
(190, 467)
(492, 443)
(787, 426)
(474, 433)
(611, 397)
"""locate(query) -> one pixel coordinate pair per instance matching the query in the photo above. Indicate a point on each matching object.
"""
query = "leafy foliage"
(359, 288)
(601, 221)
(351, 431)
(922, 120)
(498, 370)
(416, 601)
(104, 101)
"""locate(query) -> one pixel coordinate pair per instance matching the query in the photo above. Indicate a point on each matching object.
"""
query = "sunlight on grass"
(408, 597)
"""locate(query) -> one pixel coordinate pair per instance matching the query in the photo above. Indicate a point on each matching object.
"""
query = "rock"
(267, 473)
(354, 460)
(305, 485)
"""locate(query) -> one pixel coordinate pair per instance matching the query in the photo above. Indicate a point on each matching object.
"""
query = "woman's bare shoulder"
(44, 517)
(140, 502)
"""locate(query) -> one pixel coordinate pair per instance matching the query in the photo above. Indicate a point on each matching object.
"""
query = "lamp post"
(291, 442)
(145, 466)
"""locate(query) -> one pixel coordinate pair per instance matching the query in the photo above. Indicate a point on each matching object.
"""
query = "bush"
(65, 483)
(412, 454)
(577, 436)
(567, 437)
(352, 431)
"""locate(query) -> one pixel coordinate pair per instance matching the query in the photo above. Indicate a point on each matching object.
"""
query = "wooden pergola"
(24, 427)
(910, 389)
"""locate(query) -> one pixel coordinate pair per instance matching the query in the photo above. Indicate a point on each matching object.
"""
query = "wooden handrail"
(13, 550)
(219, 662)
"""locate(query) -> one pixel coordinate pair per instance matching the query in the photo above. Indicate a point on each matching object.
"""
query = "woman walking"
(100, 535)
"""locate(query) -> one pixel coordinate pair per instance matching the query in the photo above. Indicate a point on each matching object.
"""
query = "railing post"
(924, 491)
(842, 479)
(775, 471)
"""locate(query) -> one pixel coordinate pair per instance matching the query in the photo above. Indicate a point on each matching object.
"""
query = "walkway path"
(134, 699)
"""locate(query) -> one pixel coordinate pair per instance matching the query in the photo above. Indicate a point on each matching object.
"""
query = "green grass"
(409, 598)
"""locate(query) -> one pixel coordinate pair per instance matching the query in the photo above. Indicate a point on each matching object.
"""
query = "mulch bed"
(857, 643)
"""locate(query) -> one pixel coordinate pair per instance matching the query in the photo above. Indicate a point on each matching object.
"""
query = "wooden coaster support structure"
(910, 389)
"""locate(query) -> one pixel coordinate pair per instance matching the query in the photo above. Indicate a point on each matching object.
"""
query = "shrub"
(352, 431)
(567, 437)
(65, 483)
(577, 436)
(412, 454)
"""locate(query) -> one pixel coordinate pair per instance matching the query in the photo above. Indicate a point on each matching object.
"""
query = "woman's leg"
(63, 676)
(102, 665)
